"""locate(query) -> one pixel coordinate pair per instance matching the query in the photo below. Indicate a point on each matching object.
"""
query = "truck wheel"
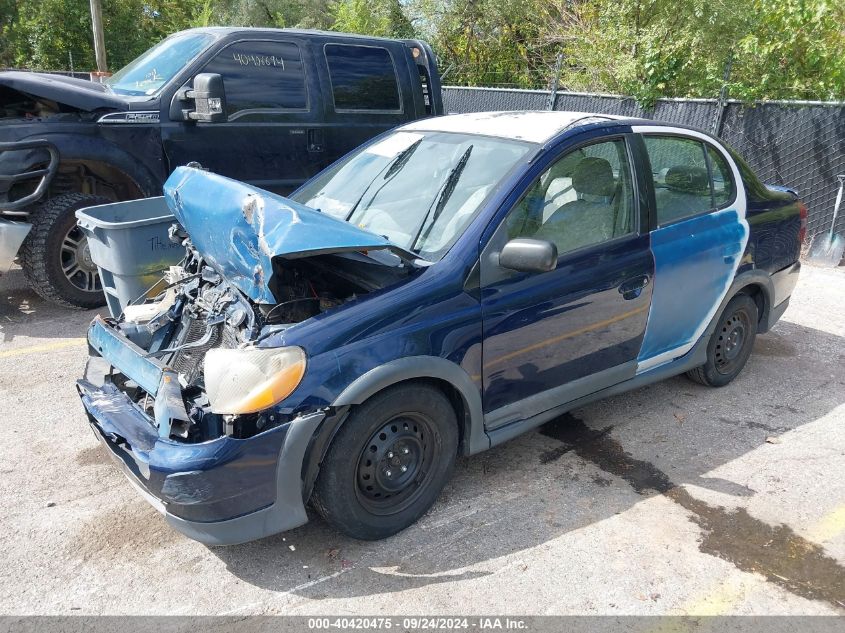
(388, 463)
(731, 343)
(55, 256)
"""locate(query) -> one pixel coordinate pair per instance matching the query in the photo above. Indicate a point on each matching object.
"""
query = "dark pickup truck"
(271, 107)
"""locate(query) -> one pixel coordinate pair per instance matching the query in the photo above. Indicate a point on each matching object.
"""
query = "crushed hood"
(78, 93)
(239, 229)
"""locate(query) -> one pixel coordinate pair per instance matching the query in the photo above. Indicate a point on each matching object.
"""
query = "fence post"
(555, 82)
(722, 103)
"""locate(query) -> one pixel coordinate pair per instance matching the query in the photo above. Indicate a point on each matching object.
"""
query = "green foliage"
(778, 49)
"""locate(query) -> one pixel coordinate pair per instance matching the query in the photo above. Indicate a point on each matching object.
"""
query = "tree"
(651, 48)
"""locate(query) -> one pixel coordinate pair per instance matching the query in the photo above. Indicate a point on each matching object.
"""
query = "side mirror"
(528, 255)
(209, 99)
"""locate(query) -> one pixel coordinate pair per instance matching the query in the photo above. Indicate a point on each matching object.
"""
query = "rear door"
(698, 237)
(552, 337)
(271, 135)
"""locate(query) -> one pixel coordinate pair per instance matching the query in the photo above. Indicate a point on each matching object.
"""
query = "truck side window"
(261, 75)
(363, 78)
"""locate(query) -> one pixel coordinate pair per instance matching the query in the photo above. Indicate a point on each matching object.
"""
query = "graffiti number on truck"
(251, 59)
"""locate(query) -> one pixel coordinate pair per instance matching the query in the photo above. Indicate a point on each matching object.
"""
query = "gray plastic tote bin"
(130, 245)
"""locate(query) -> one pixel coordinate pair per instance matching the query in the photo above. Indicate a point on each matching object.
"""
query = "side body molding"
(475, 439)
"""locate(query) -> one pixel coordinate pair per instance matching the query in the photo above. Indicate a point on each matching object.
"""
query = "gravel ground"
(672, 499)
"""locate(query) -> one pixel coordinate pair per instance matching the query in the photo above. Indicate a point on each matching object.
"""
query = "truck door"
(364, 92)
(270, 138)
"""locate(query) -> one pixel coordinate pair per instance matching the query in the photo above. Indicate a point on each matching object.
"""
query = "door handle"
(315, 140)
(631, 288)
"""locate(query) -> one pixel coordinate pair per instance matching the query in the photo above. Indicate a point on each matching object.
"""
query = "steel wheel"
(388, 462)
(731, 342)
(394, 465)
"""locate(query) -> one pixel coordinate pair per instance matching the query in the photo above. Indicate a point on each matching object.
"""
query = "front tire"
(388, 463)
(55, 257)
(730, 345)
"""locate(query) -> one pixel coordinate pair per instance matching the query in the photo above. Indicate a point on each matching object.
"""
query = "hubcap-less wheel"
(731, 342)
(394, 465)
(77, 265)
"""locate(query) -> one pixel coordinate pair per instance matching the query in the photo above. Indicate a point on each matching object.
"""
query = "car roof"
(228, 30)
(523, 125)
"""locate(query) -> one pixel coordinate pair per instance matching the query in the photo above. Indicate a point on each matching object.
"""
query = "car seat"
(590, 218)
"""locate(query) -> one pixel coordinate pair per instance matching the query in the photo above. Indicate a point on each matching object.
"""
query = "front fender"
(415, 367)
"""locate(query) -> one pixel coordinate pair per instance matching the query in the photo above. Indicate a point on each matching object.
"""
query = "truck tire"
(730, 345)
(55, 256)
(388, 463)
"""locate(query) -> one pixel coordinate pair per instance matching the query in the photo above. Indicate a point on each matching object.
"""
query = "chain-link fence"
(797, 144)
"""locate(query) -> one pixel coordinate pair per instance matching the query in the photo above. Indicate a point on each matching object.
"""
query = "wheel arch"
(105, 158)
(450, 377)
(758, 285)
(446, 375)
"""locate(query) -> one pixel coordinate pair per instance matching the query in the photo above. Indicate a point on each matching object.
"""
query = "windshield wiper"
(389, 170)
(442, 197)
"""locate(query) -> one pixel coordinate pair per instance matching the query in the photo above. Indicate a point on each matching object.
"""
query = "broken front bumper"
(219, 492)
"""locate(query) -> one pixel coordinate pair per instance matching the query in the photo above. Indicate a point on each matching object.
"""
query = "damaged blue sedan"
(450, 285)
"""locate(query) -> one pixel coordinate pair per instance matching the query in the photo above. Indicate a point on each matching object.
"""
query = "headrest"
(688, 179)
(594, 176)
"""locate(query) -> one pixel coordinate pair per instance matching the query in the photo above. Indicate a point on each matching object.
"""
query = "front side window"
(682, 185)
(418, 189)
(584, 198)
(149, 72)
(363, 78)
(261, 75)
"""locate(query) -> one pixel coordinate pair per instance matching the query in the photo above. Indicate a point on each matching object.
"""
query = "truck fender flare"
(78, 147)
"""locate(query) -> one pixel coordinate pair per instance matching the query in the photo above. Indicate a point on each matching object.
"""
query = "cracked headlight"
(252, 379)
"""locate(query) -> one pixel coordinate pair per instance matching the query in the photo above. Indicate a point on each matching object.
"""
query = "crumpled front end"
(219, 478)
(194, 390)
(220, 491)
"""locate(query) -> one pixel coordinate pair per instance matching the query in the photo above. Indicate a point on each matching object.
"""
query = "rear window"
(363, 78)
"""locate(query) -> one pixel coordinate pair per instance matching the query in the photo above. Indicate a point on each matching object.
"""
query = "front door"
(553, 337)
(271, 138)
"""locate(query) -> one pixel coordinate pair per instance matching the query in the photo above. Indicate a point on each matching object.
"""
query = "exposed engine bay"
(193, 309)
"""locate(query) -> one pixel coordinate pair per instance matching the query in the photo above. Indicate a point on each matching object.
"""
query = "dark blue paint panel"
(542, 331)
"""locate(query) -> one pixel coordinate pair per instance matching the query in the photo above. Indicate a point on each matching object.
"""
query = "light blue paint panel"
(239, 228)
(695, 263)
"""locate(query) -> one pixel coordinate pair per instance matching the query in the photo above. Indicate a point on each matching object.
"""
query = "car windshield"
(147, 74)
(420, 190)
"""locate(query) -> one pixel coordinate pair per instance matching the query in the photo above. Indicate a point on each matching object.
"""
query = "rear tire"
(730, 345)
(388, 463)
(55, 256)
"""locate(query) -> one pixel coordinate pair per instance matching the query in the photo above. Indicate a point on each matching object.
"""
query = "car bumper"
(12, 235)
(783, 283)
(220, 492)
